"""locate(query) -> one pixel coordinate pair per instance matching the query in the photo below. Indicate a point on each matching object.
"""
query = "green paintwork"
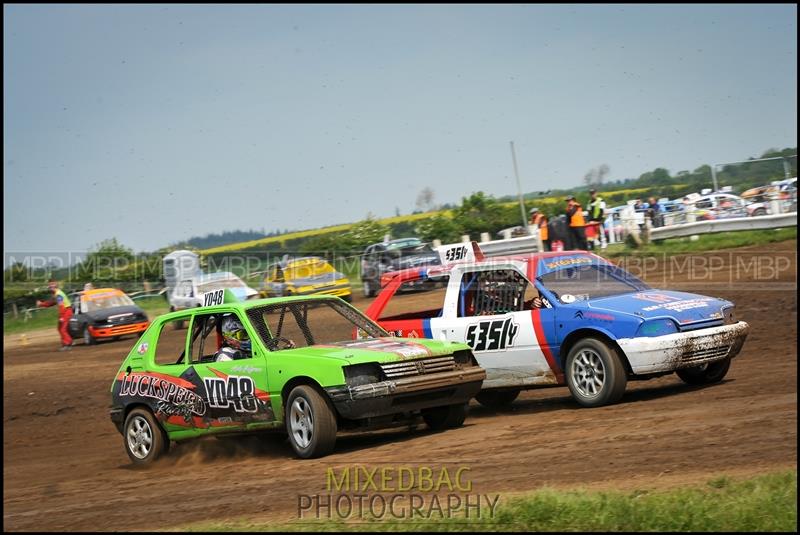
(269, 370)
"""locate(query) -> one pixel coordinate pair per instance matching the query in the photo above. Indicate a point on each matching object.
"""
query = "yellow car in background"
(310, 275)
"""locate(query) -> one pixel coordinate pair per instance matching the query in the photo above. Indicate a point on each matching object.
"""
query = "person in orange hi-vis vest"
(64, 313)
(577, 232)
(539, 220)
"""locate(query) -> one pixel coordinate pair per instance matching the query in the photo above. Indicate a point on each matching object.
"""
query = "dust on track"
(65, 467)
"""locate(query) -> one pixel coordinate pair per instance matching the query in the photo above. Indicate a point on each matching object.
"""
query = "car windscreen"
(305, 271)
(404, 244)
(408, 250)
(219, 284)
(581, 283)
(310, 322)
(101, 302)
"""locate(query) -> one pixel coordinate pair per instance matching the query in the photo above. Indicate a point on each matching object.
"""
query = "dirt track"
(65, 467)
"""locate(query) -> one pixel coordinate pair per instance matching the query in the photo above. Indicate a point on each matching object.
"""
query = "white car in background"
(188, 293)
(759, 200)
(719, 206)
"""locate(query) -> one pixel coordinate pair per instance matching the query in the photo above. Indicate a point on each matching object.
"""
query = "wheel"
(88, 339)
(368, 291)
(595, 374)
(310, 422)
(446, 417)
(144, 439)
(706, 373)
(497, 399)
(759, 212)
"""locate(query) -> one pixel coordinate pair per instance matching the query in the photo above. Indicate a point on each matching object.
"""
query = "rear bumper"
(117, 416)
(683, 350)
(119, 330)
(407, 394)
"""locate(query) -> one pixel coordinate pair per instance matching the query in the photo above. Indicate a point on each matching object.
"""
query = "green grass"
(39, 319)
(762, 503)
(706, 242)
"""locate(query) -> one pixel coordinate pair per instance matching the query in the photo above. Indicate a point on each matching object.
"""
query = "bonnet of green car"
(379, 350)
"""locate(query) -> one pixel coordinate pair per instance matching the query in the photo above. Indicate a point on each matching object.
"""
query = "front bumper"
(683, 350)
(407, 394)
(119, 330)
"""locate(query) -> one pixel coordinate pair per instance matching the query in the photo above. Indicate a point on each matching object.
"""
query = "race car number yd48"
(284, 364)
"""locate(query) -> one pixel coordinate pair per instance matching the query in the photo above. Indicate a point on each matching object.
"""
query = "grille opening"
(707, 353)
(410, 368)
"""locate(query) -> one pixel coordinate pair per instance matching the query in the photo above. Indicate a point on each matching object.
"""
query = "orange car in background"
(103, 314)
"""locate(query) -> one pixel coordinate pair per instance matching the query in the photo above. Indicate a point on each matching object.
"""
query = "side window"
(206, 338)
(703, 204)
(171, 343)
(219, 337)
(486, 293)
(409, 303)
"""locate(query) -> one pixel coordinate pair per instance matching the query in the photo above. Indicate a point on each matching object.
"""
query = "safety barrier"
(724, 225)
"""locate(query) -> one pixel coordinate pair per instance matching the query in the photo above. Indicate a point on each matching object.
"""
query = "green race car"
(310, 365)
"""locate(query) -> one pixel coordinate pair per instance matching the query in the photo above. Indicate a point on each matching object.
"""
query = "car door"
(235, 391)
(74, 326)
(485, 308)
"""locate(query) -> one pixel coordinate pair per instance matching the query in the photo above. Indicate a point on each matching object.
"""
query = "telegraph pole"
(519, 189)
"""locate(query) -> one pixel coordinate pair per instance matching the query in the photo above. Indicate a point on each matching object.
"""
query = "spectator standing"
(654, 212)
(64, 313)
(539, 221)
(597, 213)
(577, 224)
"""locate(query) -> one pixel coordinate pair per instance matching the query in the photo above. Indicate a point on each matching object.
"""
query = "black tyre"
(88, 339)
(368, 291)
(497, 399)
(446, 417)
(595, 374)
(310, 422)
(759, 212)
(705, 374)
(145, 440)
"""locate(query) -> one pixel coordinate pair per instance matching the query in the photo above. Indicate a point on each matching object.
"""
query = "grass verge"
(762, 503)
(706, 242)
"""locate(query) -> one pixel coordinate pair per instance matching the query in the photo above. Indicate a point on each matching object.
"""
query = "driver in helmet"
(235, 341)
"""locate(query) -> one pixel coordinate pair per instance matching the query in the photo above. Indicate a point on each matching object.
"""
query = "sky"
(155, 123)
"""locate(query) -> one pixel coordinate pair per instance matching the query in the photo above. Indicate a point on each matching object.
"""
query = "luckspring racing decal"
(164, 389)
(194, 401)
(492, 335)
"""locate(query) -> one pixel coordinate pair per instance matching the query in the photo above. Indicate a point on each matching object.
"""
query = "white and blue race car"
(560, 318)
